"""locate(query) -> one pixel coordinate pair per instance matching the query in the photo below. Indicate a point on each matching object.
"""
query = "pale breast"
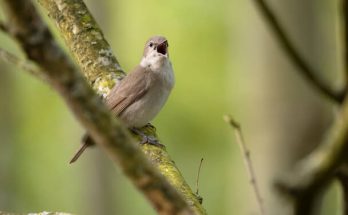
(145, 109)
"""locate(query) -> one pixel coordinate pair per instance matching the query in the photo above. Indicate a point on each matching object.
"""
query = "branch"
(318, 168)
(247, 160)
(100, 67)
(307, 71)
(86, 42)
(23, 64)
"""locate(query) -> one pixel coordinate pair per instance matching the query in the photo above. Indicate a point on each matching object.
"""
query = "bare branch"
(307, 71)
(247, 160)
(23, 64)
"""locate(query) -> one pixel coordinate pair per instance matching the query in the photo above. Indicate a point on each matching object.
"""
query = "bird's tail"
(86, 142)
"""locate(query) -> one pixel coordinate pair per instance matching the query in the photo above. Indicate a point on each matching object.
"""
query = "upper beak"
(162, 48)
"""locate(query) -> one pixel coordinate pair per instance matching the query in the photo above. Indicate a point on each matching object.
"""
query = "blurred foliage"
(214, 51)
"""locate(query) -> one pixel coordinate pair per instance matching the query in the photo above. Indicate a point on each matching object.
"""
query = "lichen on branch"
(86, 42)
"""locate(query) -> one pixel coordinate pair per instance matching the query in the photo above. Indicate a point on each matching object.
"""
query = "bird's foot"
(146, 139)
(150, 140)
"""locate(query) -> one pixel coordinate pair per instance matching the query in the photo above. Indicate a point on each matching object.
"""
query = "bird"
(140, 96)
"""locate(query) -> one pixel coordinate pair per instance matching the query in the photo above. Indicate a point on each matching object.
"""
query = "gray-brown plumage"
(138, 98)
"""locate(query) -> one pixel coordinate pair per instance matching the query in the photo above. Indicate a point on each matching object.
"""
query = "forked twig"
(247, 160)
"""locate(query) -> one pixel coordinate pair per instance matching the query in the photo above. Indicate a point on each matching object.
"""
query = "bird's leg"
(145, 138)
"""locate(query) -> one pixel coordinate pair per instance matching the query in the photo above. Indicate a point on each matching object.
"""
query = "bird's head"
(155, 52)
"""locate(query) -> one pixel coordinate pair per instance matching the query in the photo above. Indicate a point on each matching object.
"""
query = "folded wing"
(133, 87)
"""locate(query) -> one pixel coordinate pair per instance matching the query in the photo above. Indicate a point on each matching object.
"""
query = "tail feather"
(86, 142)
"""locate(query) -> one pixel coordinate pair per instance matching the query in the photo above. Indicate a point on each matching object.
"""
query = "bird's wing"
(130, 89)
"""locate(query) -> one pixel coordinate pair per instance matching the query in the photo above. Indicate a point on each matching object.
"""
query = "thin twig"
(247, 160)
(199, 171)
(307, 71)
(22, 64)
(200, 198)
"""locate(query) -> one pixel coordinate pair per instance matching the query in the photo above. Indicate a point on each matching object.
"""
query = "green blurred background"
(225, 61)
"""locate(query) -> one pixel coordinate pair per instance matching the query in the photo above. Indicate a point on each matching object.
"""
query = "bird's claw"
(146, 139)
(151, 141)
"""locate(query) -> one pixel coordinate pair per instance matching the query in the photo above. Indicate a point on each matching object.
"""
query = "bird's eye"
(151, 44)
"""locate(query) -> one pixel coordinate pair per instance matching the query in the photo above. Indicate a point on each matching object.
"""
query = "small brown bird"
(138, 98)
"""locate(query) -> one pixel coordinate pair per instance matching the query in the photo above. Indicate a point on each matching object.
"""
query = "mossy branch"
(102, 70)
(86, 42)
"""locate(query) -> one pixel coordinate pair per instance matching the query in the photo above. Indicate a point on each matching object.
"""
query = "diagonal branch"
(37, 42)
(86, 42)
(307, 71)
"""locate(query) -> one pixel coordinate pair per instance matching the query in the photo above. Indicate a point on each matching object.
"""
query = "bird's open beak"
(162, 48)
